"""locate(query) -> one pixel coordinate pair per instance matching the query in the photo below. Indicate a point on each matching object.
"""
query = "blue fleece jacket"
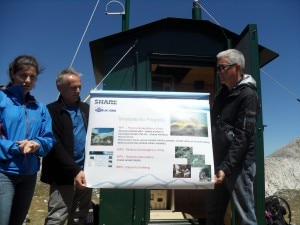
(22, 117)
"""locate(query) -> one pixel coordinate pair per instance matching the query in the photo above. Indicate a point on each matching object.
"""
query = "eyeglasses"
(224, 67)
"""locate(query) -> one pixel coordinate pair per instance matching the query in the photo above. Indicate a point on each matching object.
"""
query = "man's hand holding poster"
(149, 140)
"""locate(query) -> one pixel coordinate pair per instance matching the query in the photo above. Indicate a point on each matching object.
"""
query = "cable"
(277, 82)
(211, 18)
(298, 99)
(126, 53)
(84, 34)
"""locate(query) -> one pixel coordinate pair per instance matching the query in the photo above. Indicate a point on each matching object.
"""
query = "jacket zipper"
(27, 136)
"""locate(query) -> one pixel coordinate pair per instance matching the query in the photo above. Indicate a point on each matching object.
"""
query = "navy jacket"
(59, 166)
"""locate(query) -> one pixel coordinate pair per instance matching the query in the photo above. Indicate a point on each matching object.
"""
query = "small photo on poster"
(183, 151)
(181, 171)
(102, 136)
(205, 173)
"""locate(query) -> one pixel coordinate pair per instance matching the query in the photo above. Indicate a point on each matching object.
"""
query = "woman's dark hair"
(23, 61)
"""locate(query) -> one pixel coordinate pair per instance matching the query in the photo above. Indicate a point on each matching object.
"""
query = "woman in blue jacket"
(25, 136)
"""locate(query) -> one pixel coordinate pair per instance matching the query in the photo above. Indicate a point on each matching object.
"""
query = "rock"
(282, 170)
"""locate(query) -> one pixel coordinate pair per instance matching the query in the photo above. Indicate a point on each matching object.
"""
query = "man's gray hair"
(60, 79)
(233, 56)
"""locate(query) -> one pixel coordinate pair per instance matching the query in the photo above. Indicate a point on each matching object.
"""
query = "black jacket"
(59, 166)
(233, 116)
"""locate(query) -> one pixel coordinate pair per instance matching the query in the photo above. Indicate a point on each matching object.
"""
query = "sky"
(58, 32)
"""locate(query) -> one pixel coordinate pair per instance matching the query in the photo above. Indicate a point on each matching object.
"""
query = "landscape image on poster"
(102, 136)
(189, 124)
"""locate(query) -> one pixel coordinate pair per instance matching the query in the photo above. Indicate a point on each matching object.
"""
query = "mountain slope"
(282, 169)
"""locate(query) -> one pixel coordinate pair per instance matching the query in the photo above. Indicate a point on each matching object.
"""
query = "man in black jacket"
(233, 116)
(63, 167)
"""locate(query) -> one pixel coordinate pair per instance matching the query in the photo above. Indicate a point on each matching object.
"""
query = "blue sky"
(51, 30)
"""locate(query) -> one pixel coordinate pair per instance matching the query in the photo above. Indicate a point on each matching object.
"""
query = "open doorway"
(180, 76)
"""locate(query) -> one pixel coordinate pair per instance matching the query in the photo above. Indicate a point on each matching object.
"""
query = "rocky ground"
(282, 176)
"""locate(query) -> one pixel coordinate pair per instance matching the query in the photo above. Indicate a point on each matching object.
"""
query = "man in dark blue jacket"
(64, 166)
(233, 116)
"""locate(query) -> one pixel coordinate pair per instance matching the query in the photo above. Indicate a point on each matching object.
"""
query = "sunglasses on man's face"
(224, 67)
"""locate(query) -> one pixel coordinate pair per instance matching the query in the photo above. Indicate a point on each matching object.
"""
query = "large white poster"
(149, 140)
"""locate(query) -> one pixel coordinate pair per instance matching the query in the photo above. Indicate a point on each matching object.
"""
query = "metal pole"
(196, 10)
(125, 17)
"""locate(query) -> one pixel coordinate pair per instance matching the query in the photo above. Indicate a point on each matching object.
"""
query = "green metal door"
(123, 206)
(248, 44)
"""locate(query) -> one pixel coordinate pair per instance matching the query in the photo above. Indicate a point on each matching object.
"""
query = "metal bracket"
(114, 13)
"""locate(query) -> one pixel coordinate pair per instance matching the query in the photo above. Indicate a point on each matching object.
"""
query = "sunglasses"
(224, 67)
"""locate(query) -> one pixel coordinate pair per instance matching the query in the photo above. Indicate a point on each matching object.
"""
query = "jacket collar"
(61, 101)
(16, 93)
